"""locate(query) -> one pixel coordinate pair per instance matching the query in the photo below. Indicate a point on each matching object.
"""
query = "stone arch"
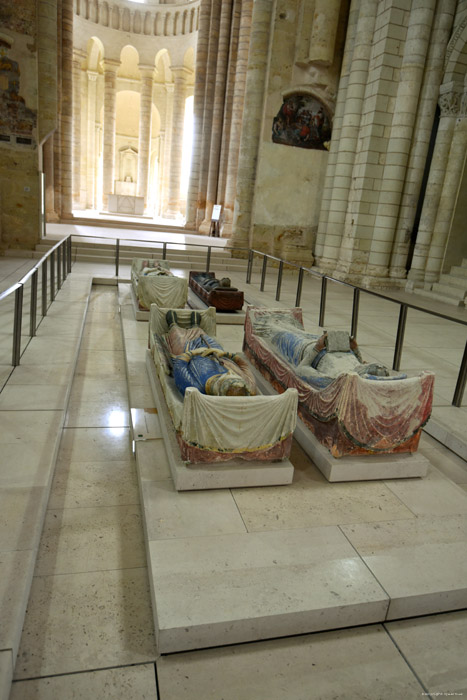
(129, 62)
(162, 62)
(95, 53)
(189, 59)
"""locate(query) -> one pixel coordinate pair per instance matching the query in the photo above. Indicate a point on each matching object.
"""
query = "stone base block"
(233, 474)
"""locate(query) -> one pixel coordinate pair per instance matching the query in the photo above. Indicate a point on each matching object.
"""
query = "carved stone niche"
(302, 121)
(127, 171)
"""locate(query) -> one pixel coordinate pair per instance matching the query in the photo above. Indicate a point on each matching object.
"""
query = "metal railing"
(54, 267)
(357, 291)
(59, 266)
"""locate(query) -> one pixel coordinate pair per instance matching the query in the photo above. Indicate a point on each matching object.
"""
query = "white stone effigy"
(153, 283)
(212, 429)
(348, 408)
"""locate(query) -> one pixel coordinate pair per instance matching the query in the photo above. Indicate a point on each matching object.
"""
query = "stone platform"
(237, 565)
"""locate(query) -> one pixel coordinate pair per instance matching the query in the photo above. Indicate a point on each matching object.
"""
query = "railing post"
(400, 338)
(33, 307)
(355, 309)
(44, 288)
(279, 280)
(52, 275)
(263, 272)
(249, 267)
(208, 259)
(59, 268)
(17, 326)
(117, 256)
(461, 381)
(299, 287)
(69, 254)
(164, 250)
(322, 301)
(64, 265)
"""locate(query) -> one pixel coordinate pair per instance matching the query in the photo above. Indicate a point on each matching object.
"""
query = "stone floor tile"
(57, 327)
(355, 664)
(436, 649)
(87, 484)
(21, 509)
(27, 464)
(110, 390)
(6, 673)
(169, 513)
(97, 414)
(312, 501)
(110, 624)
(99, 444)
(127, 683)
(55, 375)
(432, 495)
(40, 427)
(44, 351)
(21, 397)
(421, 563)
(141, 396)
(234, 588)
(16, 570)
(152, 461)
(91, 539)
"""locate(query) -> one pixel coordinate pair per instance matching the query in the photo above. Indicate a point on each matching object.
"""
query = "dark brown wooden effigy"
(225, 299)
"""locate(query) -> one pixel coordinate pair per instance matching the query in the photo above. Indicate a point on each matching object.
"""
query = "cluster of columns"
(57, 149)
(446, 172)
(221, 70)
(92, 183)
(384, 115)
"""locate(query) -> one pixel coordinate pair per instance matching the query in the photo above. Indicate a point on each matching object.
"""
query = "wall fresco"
(302, 121)
(16, 120)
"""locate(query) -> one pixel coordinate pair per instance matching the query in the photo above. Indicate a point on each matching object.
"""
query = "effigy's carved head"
(227, 384)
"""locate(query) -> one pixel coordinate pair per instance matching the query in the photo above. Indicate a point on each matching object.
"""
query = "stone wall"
(305, 49)
(27, 51)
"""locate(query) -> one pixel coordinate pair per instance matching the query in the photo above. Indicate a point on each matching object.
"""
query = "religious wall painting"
(302, 121)
(17, 121)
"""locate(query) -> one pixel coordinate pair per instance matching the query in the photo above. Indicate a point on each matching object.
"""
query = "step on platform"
(220, 576)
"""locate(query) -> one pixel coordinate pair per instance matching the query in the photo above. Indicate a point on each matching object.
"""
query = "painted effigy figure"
(199, 361)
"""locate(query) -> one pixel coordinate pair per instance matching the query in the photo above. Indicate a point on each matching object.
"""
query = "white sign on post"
(216, 212)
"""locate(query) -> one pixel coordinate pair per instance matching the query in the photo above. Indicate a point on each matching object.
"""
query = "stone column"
(91, 139)
(217, 112)
(400, 137)
(66, 121)
(166, 145)
(447, 202)
(335, 139)
(110, 105)
(180, 74)
(198, 114)
(237, 114)
(144, 141)
(449, 103)
(422, 134)
(48, 169)
(324, 30)
(349, 134)
(211, 66)
(263, 12)
(76, 131)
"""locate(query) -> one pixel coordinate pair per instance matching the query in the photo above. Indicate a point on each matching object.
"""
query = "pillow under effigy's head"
(337, 341)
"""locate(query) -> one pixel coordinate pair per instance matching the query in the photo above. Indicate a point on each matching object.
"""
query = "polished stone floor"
(88, 629)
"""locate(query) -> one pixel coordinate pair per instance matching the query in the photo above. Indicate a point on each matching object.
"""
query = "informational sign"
(216, 212)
